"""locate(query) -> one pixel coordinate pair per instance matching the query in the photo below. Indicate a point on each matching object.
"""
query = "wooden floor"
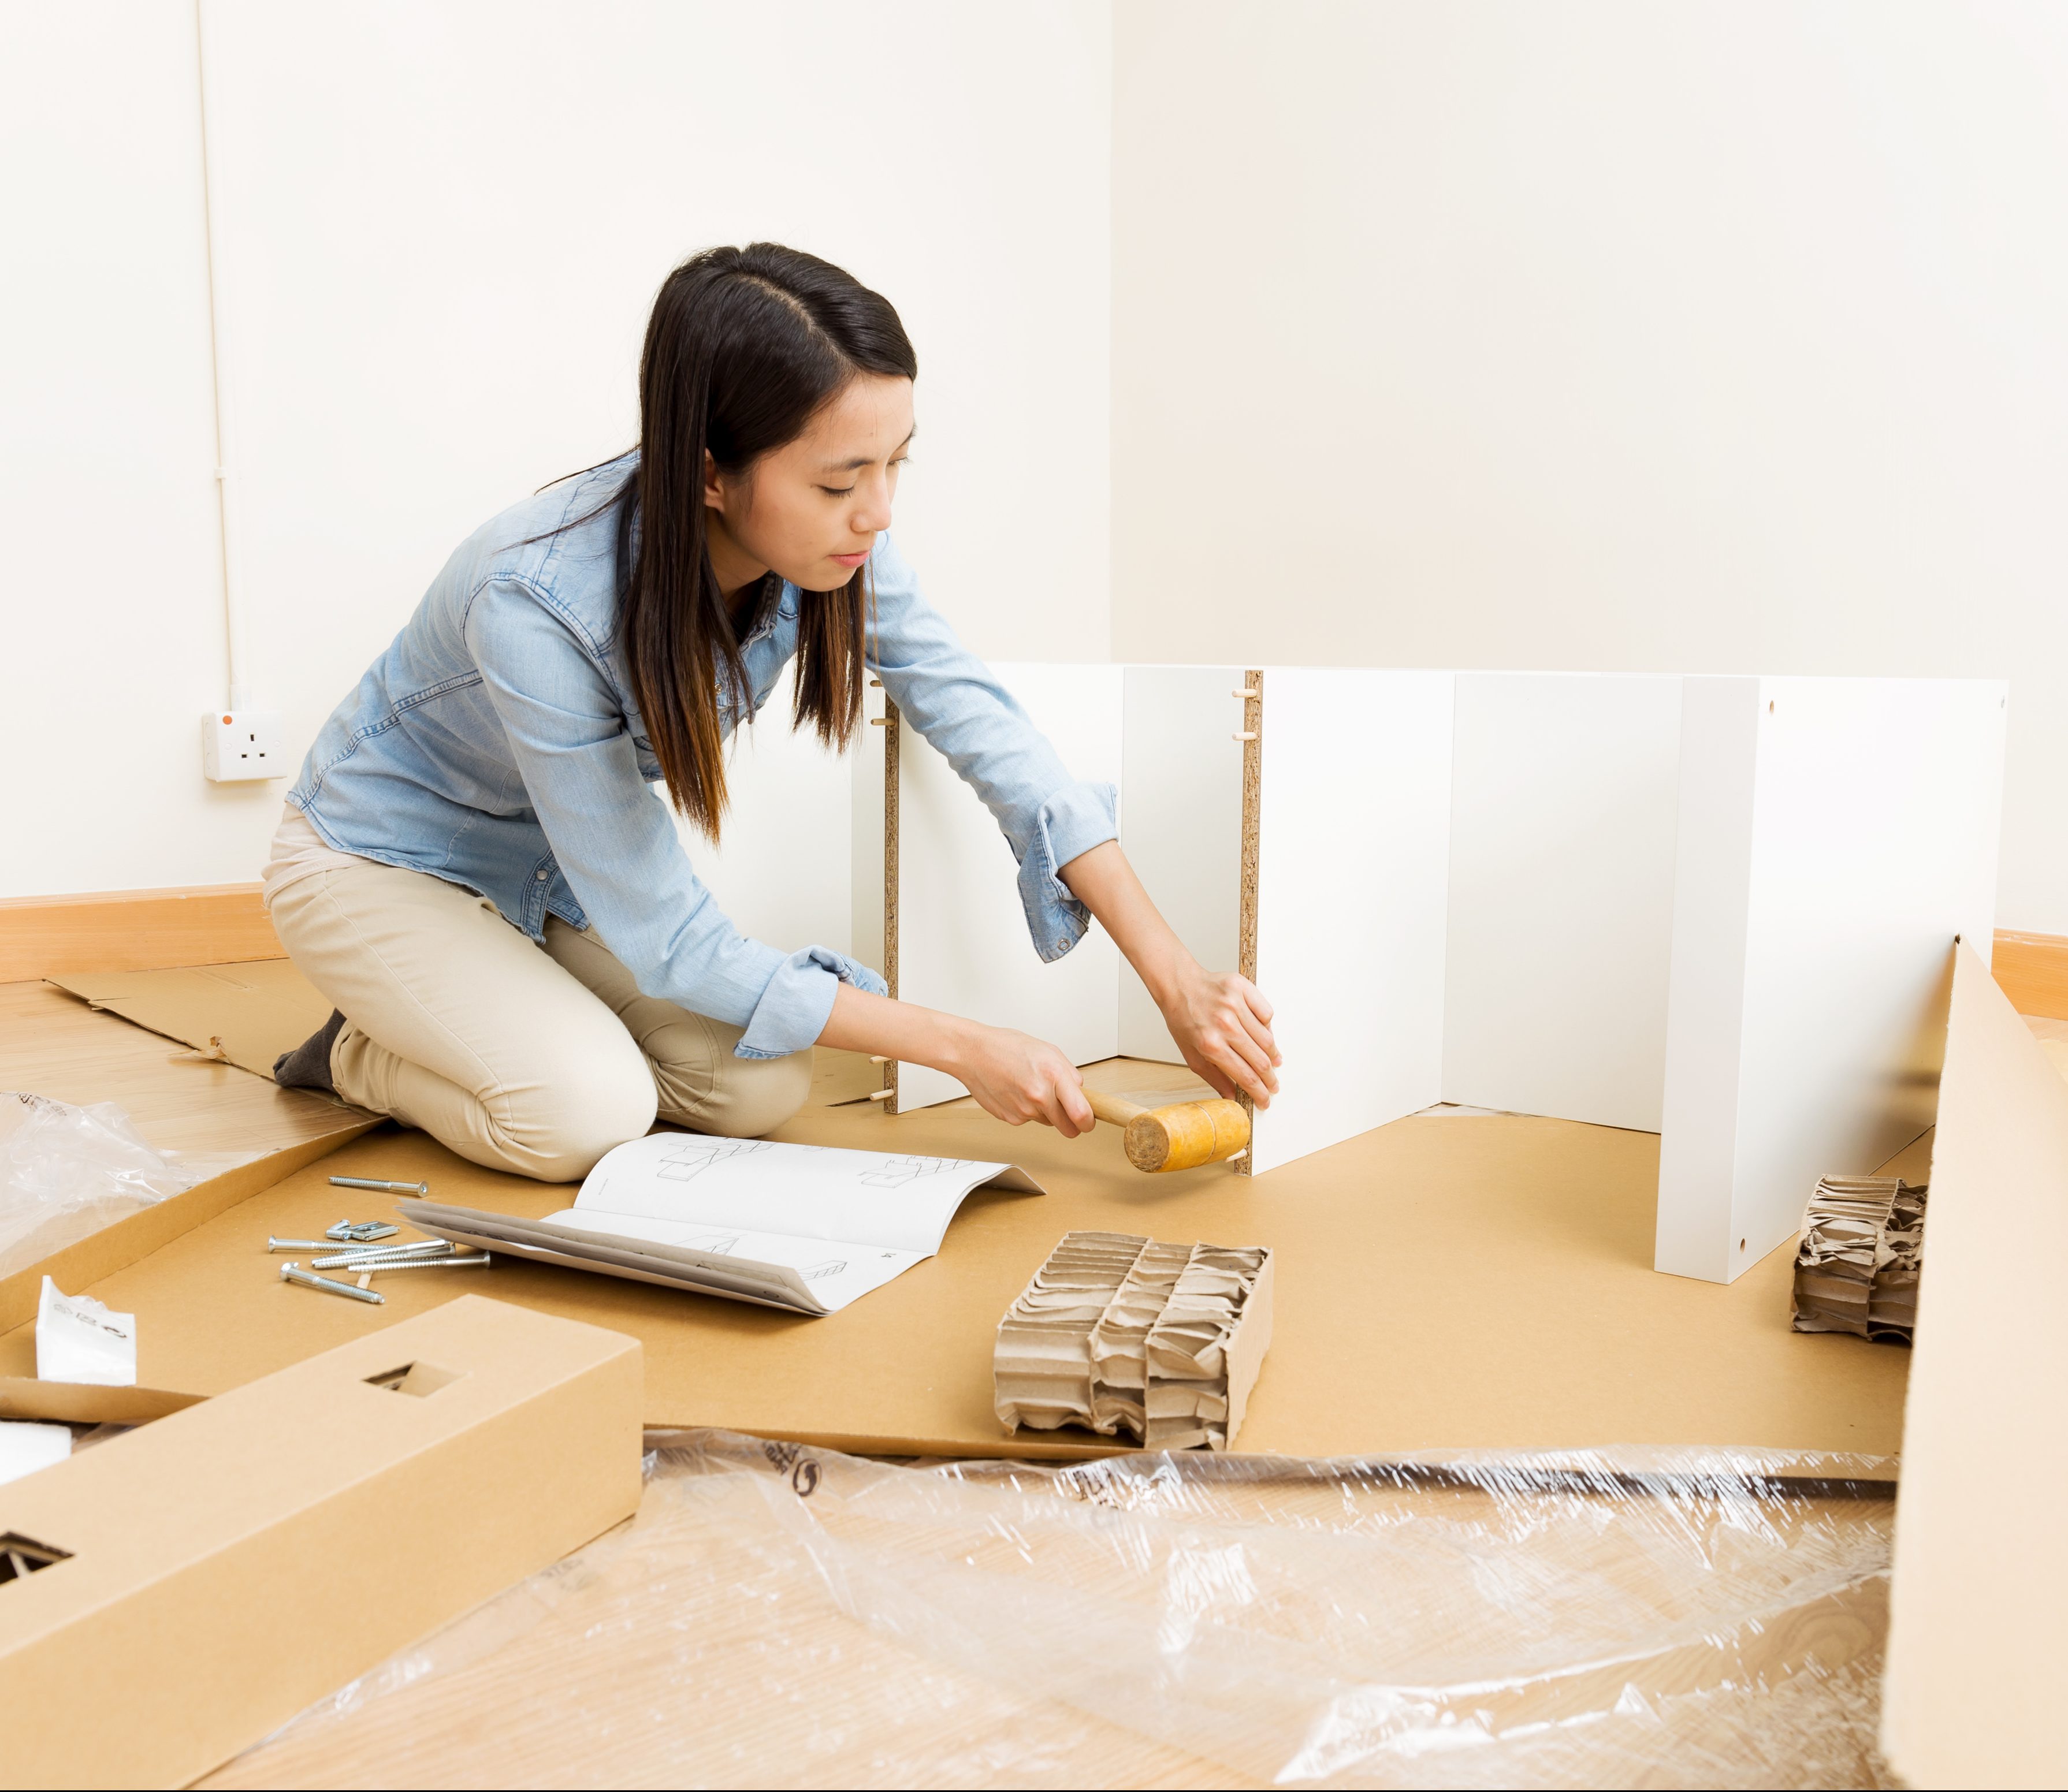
(53, 1044)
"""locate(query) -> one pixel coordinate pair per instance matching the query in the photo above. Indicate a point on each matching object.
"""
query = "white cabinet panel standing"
(1353, 864)
(1564, 794)
(1836, 835)
(962, 943)
(1181, 824)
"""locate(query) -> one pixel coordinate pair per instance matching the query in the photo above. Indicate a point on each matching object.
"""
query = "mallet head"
(1186, 1135)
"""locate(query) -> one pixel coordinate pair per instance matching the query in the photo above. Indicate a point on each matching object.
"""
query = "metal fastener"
(301, 1278)
(480, 1262)
(391, 1253)
(383, 1187)
(359, 1232)
(299, 1244)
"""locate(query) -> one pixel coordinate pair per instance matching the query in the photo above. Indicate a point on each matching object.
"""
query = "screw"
(480, 1262)
(299, 1244)
(387, 1253)
(383, 1187)
(301, 1278)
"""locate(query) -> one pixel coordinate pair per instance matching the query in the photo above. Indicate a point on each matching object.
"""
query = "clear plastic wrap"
(67, 1172)
(779, 1615)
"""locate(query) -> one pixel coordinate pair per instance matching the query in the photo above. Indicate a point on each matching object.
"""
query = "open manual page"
(798, 1226)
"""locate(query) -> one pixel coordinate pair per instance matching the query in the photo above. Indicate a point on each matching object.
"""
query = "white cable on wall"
(225, 461)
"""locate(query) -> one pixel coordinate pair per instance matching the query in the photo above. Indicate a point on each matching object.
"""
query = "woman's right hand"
(1016, 1078)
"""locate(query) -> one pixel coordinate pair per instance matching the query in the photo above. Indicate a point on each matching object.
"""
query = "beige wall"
(1710, 337)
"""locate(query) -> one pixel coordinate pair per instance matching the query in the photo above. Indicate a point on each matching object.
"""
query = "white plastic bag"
(67, 1172)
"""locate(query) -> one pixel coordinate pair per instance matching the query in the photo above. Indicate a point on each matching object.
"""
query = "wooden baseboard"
(133, 930)
(2032, 970)
(223, 924)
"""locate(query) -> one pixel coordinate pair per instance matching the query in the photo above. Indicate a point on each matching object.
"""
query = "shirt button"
(543, 876)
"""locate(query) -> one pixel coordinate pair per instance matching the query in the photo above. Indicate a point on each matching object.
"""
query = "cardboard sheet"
(1457, 1282)
(247, 1014)
(257, 1011)
(1976, 1654)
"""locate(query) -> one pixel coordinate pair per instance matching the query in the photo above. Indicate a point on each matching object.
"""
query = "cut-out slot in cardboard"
(419, 1379)
(20, 1557)
(529, 1453)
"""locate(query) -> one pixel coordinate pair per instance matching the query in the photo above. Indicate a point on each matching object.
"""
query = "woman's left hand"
(1222, 1024)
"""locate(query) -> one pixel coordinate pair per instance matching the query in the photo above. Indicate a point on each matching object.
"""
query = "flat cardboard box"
(1443, 1282)
(225, 1566)
(82, 1403)
(251, 1012)
(1976, 1652)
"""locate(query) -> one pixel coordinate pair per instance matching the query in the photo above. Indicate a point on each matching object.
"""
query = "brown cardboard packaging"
(131, 1240)
(1558, 1333)
(1569, 1337)
(79, 1403)
(246, 1013)
(222, 1567)
(1976, 1653)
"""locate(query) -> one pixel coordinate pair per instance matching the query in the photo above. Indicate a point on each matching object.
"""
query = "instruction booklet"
(803, 1227)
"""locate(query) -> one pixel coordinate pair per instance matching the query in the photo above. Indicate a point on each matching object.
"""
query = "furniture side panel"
(1354, 852)
(1181, 823)
(1565, 794)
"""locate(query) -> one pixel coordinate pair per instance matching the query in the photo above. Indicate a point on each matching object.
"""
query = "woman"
(474, 867)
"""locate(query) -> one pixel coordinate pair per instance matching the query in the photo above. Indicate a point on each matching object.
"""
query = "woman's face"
(811, 511)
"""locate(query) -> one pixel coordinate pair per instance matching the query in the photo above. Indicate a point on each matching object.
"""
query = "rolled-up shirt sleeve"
(615, 843)
(1048, 816)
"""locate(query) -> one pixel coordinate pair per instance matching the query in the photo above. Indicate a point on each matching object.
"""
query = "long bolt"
(387, 1253)
(480, 1262)
(301, 1278)
(383, 1187)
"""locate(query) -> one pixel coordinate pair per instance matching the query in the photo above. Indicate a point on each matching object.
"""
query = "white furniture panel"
(1181, 824)
(1835, 836)
(771, 873)
(962, 944)
(1354, 849)
(1565, 792)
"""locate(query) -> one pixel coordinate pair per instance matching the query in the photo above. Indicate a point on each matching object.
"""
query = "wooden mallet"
(1182, 1136)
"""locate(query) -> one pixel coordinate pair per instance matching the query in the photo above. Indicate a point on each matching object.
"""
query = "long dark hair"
(744, 345)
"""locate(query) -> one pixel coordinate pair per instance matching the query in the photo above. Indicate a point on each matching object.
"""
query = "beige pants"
(519, 1058)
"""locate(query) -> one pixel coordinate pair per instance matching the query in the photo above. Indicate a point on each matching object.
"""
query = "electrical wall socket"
(240, 744)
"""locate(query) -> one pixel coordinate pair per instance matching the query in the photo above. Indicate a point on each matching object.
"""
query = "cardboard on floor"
(1480, 1282)
(1975, 1653)
(182, 1591)
(250, 1013)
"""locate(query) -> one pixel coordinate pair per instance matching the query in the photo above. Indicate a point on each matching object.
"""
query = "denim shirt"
(496, 744)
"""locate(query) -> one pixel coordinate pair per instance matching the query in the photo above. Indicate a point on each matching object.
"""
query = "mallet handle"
(1182, 1136)
(1113, 1107)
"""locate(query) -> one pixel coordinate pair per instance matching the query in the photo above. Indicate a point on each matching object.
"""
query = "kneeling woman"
(473, 866)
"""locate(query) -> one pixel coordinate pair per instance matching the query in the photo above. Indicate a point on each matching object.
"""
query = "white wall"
(1725, 335)
(444, 222)
(1710, 337)
(111, 610)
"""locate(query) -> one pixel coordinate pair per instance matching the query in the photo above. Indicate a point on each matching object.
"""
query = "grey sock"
(307, 1066)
